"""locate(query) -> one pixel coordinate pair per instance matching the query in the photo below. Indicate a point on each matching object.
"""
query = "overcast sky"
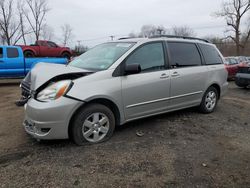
(94, 20)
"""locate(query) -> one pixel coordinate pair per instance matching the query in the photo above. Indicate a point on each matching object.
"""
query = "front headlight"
(54, 91)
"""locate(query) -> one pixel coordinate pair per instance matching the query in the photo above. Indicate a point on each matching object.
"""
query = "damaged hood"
(44, 72)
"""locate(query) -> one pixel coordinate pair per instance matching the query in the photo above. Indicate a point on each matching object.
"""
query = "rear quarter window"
(12, 52)
(184, 54)
(210, 54)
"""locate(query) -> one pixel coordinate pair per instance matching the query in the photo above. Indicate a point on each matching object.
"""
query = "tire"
(209, 100)
(242, 85)
(87, 126)
(28, 53)
(66, 55)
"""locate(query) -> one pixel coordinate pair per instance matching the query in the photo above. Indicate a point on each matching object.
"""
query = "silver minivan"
(117, 82)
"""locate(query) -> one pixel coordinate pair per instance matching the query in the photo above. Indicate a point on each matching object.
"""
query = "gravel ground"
(179, 149)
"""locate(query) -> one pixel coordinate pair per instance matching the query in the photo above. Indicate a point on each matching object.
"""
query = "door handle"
(175, 74)
(164, 75)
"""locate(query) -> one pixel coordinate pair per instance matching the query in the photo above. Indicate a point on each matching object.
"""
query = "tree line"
(237, 33)
(24, 19)
(153, 30)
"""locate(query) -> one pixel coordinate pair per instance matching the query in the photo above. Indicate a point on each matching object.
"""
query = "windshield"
(102, 56)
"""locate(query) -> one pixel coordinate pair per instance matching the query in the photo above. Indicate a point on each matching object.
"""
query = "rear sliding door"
(188, 74)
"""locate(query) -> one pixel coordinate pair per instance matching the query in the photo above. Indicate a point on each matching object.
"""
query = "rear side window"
(12, 52)
(43, 44)
(184, 54)
(211, 55)
(1, 52)
(150, 57)
(231, 61)
(51, 44)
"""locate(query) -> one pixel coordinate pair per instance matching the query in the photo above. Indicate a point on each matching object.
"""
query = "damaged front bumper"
(49, 120)
(46, 120)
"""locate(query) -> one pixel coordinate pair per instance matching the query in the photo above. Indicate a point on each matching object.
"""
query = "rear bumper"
(49, 120)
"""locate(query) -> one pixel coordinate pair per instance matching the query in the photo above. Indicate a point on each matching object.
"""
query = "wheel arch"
(104, 101)
(30, 50)
(217, 87)
(65, 51)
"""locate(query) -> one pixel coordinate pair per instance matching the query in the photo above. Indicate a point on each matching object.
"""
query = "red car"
(44, 48)
(232, 66)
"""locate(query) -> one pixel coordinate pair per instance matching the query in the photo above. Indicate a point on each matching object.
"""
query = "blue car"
(14, 65)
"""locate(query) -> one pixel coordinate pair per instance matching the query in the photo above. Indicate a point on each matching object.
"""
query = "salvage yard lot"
(179, 149)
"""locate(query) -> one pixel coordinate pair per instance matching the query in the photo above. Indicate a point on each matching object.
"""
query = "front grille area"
(25, 86)
(26, 93)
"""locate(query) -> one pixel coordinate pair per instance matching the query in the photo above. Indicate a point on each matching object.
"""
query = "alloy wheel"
(95, 127)
(210, 100)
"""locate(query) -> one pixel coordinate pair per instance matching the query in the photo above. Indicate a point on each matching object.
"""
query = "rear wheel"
(209, 100)
(242, 85)
(94, 123)
(28, 53)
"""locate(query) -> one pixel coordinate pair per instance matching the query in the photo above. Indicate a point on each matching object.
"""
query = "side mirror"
(132, 69)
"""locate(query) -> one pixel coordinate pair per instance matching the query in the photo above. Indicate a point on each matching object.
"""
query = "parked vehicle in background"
(232, 66)
(43, 48)
(243, 61)
(117, 82)
(242, 78)
(14, 65)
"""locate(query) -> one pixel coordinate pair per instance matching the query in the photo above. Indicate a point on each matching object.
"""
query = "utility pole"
(160, 30)
(79, 46)
(112, 37)
(79, 42)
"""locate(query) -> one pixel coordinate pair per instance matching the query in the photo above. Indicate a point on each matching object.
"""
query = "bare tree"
(184, 31)
(2, 38)
(8, 23)
(148, 30)
(234, 11)
(23, 31)
(151, 30)
(47, 32)
(67, 34)
(36, 18)
(161, 30)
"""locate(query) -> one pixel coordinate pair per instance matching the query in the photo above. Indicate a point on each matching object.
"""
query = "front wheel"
(209, 100)
(94, 123)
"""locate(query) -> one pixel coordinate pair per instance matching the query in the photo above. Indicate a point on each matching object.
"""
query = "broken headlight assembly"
(54, 91)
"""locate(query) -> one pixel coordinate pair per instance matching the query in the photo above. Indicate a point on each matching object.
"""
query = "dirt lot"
(180, 149)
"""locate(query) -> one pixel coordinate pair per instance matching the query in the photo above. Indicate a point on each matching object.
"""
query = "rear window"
(1, 52)
(52, 44)
(12, 52)
(231, 61)
(211, 55)
(184, 54)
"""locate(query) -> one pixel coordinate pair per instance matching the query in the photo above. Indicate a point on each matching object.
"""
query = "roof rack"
(181, 37)
(123, 38)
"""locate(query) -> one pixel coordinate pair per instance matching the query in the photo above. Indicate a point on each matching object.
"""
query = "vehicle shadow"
(126, 130)
(148, 121)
